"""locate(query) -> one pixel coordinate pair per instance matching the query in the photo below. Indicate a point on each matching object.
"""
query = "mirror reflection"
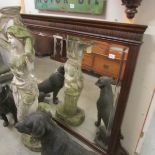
(81, 81)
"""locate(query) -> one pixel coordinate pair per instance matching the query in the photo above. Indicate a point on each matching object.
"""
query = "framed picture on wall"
(95, 7)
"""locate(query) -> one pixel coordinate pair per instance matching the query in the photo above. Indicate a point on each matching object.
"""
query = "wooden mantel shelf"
(121, 32)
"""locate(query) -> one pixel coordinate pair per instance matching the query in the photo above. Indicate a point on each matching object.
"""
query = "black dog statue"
(105, 101)
(7, 104)
(54, 140)
(53, 84)
(105, 111)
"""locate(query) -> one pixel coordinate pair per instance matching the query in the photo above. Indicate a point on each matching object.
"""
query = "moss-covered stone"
(31, 143)
(73, 120)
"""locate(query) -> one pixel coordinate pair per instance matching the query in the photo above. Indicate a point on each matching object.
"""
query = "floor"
(10, 143)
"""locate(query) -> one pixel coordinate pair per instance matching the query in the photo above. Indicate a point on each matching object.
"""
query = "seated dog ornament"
(105, 110)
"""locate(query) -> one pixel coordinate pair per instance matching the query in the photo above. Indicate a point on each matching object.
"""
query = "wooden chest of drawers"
(106, 59)
(109, 67)
(87, 62)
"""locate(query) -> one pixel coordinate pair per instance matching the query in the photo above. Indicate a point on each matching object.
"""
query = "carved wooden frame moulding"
(127, 34)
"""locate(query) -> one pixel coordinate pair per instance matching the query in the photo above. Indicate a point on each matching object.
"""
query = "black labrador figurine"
(53, 84)
(105, 111)
(7, 104)
(105, 101)
(54, 140)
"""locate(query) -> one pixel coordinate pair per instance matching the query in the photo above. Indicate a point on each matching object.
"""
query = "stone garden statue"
(69, 112)
(20, 57)
(17, 43)
(24, 85)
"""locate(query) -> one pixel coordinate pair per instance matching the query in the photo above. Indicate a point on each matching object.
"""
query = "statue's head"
(103, 81)
(61, 69)
(19, 32)
(10, 10)
(36, 124)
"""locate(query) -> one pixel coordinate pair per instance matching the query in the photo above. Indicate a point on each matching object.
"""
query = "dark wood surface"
(43, 44)
(130, 35)
(125, 33)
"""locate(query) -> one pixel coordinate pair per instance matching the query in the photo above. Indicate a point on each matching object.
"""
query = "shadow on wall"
(140, 95)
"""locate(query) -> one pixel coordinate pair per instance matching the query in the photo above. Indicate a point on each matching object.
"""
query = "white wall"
(4, 3)
(144, 80)
(144, 77)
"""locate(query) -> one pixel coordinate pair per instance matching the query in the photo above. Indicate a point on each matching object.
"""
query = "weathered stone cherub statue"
(24, 85)
(19, 53)
(69, 111)
(18, 42)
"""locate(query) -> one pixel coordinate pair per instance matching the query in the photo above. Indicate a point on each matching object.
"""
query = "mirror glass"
(94, 70)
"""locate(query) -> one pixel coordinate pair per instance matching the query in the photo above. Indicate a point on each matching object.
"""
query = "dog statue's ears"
(39, 128)
(61, 69)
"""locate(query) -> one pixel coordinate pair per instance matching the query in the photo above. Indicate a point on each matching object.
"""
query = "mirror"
(95, 69)
(80, 51)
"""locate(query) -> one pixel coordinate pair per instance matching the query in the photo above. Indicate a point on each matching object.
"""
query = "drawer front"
(106, 67)
(87, 60)
(100, 48)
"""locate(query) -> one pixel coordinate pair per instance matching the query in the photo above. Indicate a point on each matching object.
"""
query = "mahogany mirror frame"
(130, 35)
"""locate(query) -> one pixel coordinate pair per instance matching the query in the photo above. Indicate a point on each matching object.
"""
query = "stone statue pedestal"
(43, 106)
(73, 120)
(69, 112)
(31, 142)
